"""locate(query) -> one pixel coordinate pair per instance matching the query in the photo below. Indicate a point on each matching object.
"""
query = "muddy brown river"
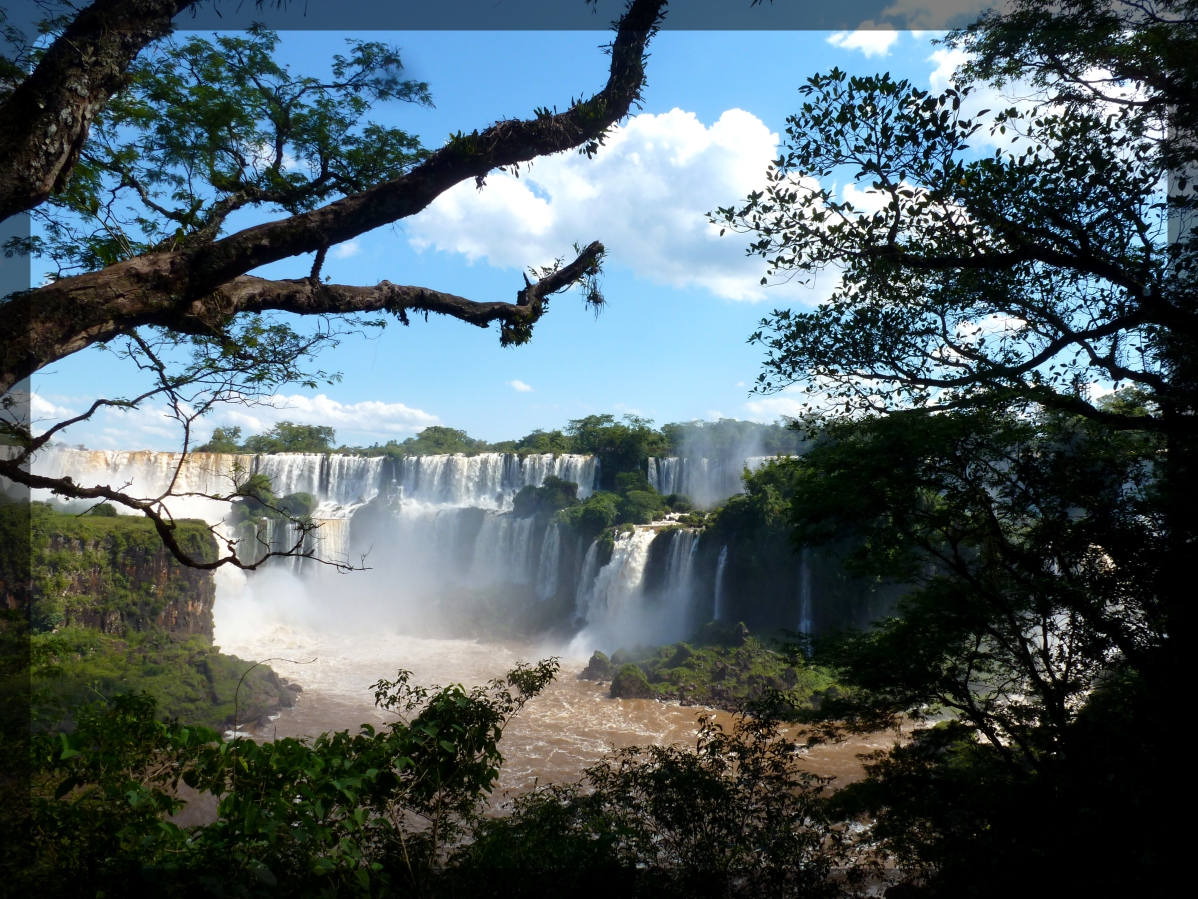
(557, 734)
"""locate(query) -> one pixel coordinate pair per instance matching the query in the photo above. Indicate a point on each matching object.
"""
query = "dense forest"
(621, 444)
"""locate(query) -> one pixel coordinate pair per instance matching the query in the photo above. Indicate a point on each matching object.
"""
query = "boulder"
(598, 668)
(630, 683)
(682, 655)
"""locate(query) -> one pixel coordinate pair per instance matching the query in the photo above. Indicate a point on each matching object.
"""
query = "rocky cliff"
(112, 574)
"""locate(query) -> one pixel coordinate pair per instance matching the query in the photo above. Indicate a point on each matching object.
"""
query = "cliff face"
(113, 574)
(114, 612)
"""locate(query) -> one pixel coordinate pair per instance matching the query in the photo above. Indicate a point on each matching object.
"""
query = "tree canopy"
(1002, 393)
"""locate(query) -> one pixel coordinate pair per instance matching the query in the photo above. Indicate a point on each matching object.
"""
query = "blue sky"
(671, 344)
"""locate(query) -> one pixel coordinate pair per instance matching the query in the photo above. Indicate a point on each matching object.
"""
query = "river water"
(558, 733)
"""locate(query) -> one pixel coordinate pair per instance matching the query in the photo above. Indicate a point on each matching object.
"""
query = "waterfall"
(586, 581)
(489, 480)
(622, 578)
(719, 583)
(805, 598)
(680, 563)
(547, 573)
(705, 481)
(335, 480)
(617, 608)
(503, 551)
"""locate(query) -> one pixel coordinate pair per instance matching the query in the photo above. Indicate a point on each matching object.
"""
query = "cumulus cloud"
(870, 39)
(44, 412)
(152, 426)
(645, 195)
(519, 386)
(371, 418)
(920, 15)
(771, 408)
(347, 249)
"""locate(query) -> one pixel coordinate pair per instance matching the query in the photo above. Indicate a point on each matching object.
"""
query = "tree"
(1032, 272)
(223, 440)
(288, 437)
(108, 131)
(735, 815)
(1039, 528)
(620, 446)
(371, 813)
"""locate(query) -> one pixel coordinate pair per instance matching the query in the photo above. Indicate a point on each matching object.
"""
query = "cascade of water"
(705, 481)
(617, 611)
(586, 581)
(148, 475)
(338, 480)
(503, 551)
(547, 573)
(622, 578)
(680, 561)
(666, 474)
(805, 598)
(489, 480)
(719, 583)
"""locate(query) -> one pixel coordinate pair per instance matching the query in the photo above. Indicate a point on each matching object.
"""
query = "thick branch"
(45, 121)
(60, 322)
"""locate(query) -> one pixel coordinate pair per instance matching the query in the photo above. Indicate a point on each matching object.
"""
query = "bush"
(735, 815)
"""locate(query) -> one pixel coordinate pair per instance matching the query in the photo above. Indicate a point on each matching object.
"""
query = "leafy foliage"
(206, 128)
(187, 676)
(368, 814)
(737, 815)
(552, 495)
(108, 568)
(621, 446)
(1033, 271)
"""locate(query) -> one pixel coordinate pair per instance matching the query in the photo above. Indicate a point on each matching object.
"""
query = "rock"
(296, 687)
(630, 683)
(721, 672)
(682, 655)
(791, 676)
(599, 668)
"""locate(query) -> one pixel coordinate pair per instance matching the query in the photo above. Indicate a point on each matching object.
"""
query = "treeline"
(621, 444)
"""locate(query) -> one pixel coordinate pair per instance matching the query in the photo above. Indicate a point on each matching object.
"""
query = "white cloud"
(870, 39)
(920, 15)
(347, 249)
(771, 408)
(153, 427)
(645, 195)
(947, 61)
(44, 414)
(519, 386)
(370, 418)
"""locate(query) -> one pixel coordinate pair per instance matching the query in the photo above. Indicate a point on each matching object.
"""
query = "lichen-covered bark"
(45, 121)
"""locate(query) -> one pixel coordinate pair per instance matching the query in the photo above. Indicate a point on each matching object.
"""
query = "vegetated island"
(722, 667)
